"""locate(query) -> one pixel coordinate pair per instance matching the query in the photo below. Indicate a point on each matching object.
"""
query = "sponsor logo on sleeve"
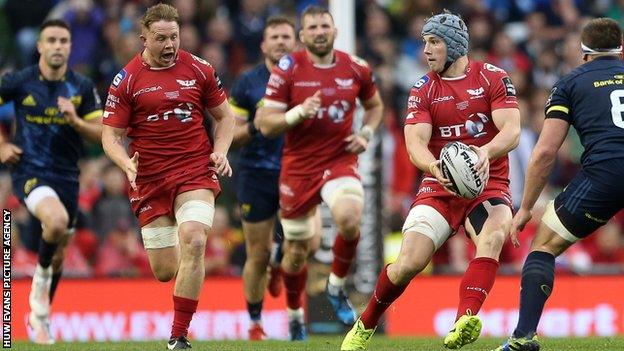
(112, 101)
(492, 68)
(200, 60)
(276, 81)
(510, 89)
(119, 78)
(218, 81)
(285, 62)
(412, 102)
(422, 81)
(360, 61)
(552, 93)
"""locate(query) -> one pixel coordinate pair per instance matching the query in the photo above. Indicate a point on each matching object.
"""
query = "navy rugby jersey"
(51, 147)
(591, 99)
(248, 90)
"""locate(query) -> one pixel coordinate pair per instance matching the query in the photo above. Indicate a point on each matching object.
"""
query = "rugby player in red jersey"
(311, 96)
(458, 100)
(159, 100)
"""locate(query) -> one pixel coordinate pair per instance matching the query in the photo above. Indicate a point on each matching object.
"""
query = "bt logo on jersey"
(182, 114)
(474, 126)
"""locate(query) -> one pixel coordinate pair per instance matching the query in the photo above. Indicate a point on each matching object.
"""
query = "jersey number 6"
(617, 107)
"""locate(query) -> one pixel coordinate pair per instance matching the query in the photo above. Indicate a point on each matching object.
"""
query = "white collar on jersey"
(453, 78)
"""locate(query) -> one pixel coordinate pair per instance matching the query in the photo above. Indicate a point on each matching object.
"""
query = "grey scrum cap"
(452, 29)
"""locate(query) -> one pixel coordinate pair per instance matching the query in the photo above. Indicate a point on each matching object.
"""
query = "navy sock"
(538, 276)
(46, 251)
(255, 311)
(55, 280)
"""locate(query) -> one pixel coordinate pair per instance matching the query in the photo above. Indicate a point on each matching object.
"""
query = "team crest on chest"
(187, 84)
(344, 83)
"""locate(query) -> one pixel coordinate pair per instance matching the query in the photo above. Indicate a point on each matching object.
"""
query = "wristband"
(295, 115)
(367, 132)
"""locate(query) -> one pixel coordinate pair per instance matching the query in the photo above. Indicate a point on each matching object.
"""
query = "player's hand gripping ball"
(458, 163)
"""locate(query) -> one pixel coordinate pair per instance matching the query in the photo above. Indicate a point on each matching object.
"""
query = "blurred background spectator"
(536, 41)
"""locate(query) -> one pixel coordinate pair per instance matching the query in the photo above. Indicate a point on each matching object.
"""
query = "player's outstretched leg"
(344, 251)
(385, 293)
(465, 331)
(476, 284)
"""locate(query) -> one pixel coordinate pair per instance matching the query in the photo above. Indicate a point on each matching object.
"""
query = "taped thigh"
(553, 222)
(37, 195)
(159, 237)
(195, 210)
(342, 187)
(428, 221)
(298, 229)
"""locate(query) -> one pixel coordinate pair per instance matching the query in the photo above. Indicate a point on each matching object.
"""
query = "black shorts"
(593, 196)
(258, 194)
(66, 191)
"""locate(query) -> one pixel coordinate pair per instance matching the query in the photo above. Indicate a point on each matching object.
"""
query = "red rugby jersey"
(163, 109)
(318, 142)
(460, 109)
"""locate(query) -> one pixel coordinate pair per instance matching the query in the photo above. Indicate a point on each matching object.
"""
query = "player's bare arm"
(224, 132)
(507, 121)
(114, 148)
(358, 142)
(242, 130)
(272, 121)
(540, 165)
(417, 138)
(91, 129)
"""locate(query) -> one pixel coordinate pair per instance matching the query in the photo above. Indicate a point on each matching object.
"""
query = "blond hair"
(160, 12)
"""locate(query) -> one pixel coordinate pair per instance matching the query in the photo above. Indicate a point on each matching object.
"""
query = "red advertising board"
(579, 306)
(142, 310)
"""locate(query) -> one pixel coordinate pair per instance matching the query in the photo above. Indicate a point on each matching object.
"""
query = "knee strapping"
(160, 237)
(195, 210)
(298, 229)
(341, 188)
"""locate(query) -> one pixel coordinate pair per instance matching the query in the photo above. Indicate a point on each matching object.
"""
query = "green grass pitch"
(329, 343)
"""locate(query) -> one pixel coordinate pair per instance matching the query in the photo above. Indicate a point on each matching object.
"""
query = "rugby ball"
(457, 162)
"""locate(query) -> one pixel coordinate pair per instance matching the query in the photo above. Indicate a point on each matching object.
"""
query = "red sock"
(476, 285)
(344, 251)
(384, 295)
(295, 284)
(183, 313)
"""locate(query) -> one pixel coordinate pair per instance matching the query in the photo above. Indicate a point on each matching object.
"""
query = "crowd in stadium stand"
(535, 41)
